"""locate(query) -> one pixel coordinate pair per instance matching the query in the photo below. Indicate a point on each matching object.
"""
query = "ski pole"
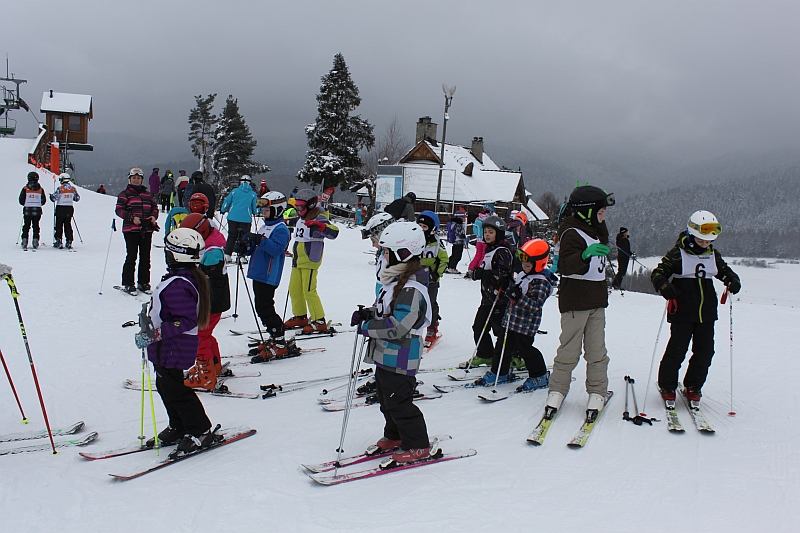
(113, 229)
(639, 418)
(351, 387)
(726, 296)
(631, 256)
(485, 327)
(156, 445)
(144, 323)
(236, 301)
(21, 224)
(75, 222)
(14, 294)
(14, 390)
(285, 306)
(252, 305)
(653, 359)
(502, 354)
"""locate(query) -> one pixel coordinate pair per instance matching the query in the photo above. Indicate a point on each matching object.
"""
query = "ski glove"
(316, 224)
(53, 197)
(146, 338)
(597, 249)
(362, 314)
(669, 292)
(733, 284)
(477, 274)
(5, 270)
(240, 247)
(514, 292)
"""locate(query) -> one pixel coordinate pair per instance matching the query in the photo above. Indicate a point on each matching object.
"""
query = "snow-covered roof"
(53, 102)
(487, 182)
(535, 209)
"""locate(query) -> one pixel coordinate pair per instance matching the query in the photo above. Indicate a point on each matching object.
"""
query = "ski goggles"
(136, 172)
(525, 258)
(300, 205)
(402, 254)
(707, 228)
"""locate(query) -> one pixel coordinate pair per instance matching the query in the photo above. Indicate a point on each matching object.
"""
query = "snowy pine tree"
(336, 137)
(233, 148)
(202, 128)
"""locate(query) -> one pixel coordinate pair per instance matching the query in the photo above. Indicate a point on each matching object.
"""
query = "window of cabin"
(58, 123)
(74, 123)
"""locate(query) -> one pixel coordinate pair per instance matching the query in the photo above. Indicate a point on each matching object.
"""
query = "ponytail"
(204, 295)
(412, 266)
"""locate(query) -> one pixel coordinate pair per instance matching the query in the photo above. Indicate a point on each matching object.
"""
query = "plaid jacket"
(524, 315)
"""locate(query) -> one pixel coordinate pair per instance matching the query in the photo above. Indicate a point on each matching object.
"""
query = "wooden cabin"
(67, 119)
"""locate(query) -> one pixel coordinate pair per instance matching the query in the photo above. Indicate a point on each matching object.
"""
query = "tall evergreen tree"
(336, 137)
(233, 148)
(202, 129)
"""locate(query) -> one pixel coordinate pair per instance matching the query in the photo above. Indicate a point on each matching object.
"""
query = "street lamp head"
(449, 91)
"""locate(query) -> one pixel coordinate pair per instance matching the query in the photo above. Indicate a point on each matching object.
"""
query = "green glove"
(596, 249)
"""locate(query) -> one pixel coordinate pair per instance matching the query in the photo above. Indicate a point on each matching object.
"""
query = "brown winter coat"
(578, 294)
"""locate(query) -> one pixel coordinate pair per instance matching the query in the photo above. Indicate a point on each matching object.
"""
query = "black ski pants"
(622, 262)
(264, 296)
(64, 222)
(184, 408)
(485, 348)
(28, 221)
(702, 339)
(455, 255)
(523, 346)
(235, 232)
(137, 243)
(404, 420)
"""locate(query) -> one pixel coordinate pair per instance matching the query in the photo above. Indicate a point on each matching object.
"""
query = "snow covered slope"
(628, 478)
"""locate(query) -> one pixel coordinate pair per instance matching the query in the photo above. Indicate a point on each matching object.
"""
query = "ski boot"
(130, 289)
(693, 395)
(167, 437)
(316, 326)
(35, 244)
(383, 445)
(667, 395)
(144, 287)
(68, 245)
(368, 388)
(202, 375)
(24, 243)
(191, 444)
(278, 348)
(596, 404)
(532, 384)
(57, 244)
(489, 378)
(296, 322)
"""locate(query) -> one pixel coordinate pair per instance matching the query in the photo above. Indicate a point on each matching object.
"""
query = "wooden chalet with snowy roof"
(67, 117)
(470, 179)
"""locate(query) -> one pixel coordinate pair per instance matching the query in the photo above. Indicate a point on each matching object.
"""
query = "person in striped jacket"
(138, 210)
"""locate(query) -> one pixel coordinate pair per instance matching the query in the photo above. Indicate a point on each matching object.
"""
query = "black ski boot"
(167, 437)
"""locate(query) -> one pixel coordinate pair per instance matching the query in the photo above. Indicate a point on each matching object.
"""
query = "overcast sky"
(688, 79)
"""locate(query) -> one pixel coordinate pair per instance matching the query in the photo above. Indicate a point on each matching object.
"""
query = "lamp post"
(448, 99)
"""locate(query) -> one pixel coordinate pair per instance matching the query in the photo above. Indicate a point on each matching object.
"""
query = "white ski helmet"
(64, 178)
(182, 247)
(272, 204)
(244, 178)
(375, 225)
(405, 239)
(704, 225)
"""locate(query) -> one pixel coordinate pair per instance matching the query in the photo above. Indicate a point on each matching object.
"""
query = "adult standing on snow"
(264, 189)
(139, 213)
(685, 278)
(241, 206)
(155, 183)
(583, 297)
(167, 190)
(180, 186)
(31, 198)
(203, 187)
(624, 255)
(311, 228)
(457, 237)
(63, 199)
(402, 209)
(101, 189)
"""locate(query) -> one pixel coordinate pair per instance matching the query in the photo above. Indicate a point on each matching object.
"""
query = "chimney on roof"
(51, 93)
(425, 129)
(477, 148)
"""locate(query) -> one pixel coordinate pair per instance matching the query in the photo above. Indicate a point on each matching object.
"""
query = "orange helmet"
(522, 217)
(197, 222)
(198, 203)
(535, 251)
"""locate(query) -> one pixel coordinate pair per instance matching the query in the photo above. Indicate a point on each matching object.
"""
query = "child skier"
(63, 198)
(311, 228)
(31, 198)
(583, 297)
(684, 276)
(208, 366)
(373, 229)
(494, 273)
(395, 327)
(531, 287)
(456, 236)
(266, 249)
(434, 257)
(179, 306)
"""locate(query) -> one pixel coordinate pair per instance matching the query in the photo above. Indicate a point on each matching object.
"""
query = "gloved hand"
(633, 255)
(144, 339)
(597, 249)
(5, 270)
(669, 292)
(733, 284)
(514, 292)
(240, 247)
(554, 269)
(477, 274)
(53, 197)
(316, 224)
(362, 314)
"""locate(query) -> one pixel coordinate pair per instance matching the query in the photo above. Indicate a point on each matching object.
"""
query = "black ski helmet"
(33, 177)
(586, 200)
(498, 224)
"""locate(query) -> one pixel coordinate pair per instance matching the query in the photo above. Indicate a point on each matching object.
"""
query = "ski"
(135, 385)
(226, 438)
(121, 289)
(540, 431)
(294, 354)
(673, 422)
(256, 332)
(372, 452)
(119, 452)
(86, 439)
(42, 434)
(580, 439)
(370, 400)
(700, 420)
(378, 471)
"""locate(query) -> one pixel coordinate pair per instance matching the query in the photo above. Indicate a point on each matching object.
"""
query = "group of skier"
(32, 197)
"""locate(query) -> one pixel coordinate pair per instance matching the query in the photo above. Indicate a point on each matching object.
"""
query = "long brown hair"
(204, 293)
(412, 266)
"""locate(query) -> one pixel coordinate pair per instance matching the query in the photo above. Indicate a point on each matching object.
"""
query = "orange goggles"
(707, 228)
(525, 258)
